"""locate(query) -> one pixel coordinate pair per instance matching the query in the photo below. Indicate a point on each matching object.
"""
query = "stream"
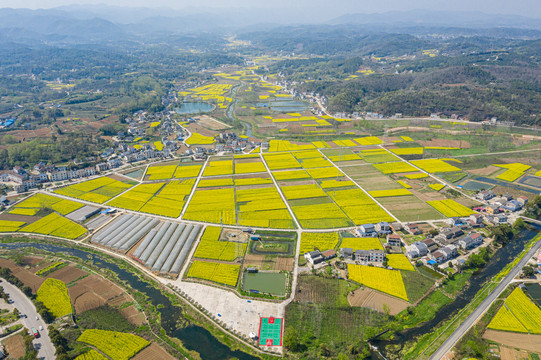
(193, 337)
(231, 108)
(501, 258)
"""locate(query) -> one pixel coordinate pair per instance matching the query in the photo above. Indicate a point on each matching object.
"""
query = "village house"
(417, 249)
(413, 229)
(471, 241)
(394, 240)
(368, 230)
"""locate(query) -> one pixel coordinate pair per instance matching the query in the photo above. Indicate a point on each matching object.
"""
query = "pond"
(285, 105)
(136, 174)
(190, 108)
(194, 338)
(273, 283)
(534, 290)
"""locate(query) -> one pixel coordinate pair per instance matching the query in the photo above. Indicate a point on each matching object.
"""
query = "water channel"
(193, 337)
(501, 258)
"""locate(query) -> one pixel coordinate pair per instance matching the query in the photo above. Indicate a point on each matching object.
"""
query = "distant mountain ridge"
(457, 19)
(102, 23)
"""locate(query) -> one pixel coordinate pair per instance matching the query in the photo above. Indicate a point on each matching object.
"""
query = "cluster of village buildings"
(459, 236)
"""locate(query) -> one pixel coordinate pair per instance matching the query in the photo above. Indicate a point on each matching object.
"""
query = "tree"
(291, 340)
(528, 271)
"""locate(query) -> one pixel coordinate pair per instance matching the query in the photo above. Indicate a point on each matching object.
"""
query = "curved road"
(483, 307)
(43, 344)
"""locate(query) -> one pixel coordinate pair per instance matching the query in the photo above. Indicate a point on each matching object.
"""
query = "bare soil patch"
(14, 217)
(254, 260)
(86, 301)
(92, 292)
(133, 315)
(117, 177)
(512, 354)
(15, 346)
(430, 196)
(522, 341)
(201, 130)
(486, 171)
(284, 263)
(67, 274)
(212, 123)
(26, 276)
(376, 300)
(153, 352)
(446, 143)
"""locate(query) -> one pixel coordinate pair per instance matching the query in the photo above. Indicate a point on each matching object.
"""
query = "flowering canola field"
(53, 294)
(116, 345)
(518, 314)
(387, 281)
(216, 272)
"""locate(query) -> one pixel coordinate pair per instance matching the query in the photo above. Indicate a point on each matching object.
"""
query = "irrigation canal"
(195, 338)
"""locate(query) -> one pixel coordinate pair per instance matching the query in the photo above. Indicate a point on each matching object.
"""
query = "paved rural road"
(43, 344)
(480, 310)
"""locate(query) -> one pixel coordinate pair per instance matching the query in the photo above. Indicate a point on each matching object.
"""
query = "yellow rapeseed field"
(387, 281)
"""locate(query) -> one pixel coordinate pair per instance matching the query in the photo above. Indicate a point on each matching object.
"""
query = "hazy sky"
(323, 8)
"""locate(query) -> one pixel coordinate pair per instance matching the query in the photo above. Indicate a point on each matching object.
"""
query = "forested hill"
(473, 77)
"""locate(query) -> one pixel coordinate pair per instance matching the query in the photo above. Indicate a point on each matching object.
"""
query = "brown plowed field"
(485, 171)
(153, 352)
(284, 263)
(375, 300)
(26, 276)
(67, 274)
(515, 340)
(92, 292)
(133, 315)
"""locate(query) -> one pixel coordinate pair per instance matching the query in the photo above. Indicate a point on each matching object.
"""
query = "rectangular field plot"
(361, 244)
(262, 207)
(116, 345)
(37, 202)
(165, 199)
(434, 165)
(161, 172)
(319, 241)
(321, 216)
(249, 166)
(410, 208)
(10, 226)
(281, 161)
(97, 190)
(359, 207)
(210, 246)
(450, 208)
(370, 178)
(387, 281)
(213, 206)
(55, 225)
(220, 273)
(187, 171)
(219, 167)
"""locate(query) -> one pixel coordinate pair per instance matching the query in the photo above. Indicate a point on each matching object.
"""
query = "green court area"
(270, 331)
(265, 282)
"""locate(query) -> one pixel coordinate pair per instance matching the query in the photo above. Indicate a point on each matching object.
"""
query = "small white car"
(37, 317)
